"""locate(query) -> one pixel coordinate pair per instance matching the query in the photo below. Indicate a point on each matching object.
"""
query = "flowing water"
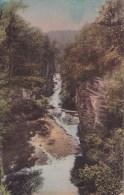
(53, 178)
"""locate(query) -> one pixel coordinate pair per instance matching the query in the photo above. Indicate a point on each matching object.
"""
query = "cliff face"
(101, 143)
(99, 131)
(94, 128)
(91, 106)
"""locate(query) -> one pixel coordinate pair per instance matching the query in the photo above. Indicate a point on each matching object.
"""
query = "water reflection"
(24, 182)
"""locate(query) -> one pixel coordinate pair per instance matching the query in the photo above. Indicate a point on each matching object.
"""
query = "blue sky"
(4, 1)
(61, 14)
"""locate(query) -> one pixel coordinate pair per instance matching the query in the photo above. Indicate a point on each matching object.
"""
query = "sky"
(50, 15)
(4, 1)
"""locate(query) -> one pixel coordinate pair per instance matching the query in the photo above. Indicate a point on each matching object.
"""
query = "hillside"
(92, 82)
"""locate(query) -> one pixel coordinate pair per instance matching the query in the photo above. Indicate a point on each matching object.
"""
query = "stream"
(52, 178)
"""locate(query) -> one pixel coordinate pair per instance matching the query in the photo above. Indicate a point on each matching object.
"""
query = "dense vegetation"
(97, 52)
(26, 61)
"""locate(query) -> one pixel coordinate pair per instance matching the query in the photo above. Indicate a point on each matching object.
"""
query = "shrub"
(99, 178)
(42, 103)
(113, 94)
(3, 190)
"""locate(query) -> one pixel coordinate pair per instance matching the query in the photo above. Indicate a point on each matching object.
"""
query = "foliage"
(102, 172)
(42, 103)
(98, 48)
(26, 61)
(23, 44)
(6, 123)
(3, 190)
(98, 52)
(65, 97)
(113, 93)
(100, 178)
(24, 182)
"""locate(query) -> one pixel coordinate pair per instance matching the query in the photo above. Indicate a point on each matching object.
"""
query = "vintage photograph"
(61, 97)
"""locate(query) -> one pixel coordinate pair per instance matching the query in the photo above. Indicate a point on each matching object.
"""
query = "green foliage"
(65, 96)
(3, 190)
(113, 93)
(98, 52)
(42, 103)
(7, 126)
(3, 80)
(24, 51)
(26, 61)
(100, 177)
(98, 48)
(94, 140)
(103, 171)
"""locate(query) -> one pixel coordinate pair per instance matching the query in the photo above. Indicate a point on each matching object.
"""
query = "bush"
(113, 94)
(42, 103)
(3, 190)
(99, 178)
(6, 124)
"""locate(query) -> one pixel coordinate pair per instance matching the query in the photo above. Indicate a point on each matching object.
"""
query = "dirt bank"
(57, 143)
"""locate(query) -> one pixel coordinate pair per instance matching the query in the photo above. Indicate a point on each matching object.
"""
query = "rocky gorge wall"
(101, 143)
(92, 109)
(91, 105)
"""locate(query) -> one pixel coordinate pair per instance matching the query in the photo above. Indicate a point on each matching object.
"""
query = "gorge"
(61, 105)
(53, 175)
